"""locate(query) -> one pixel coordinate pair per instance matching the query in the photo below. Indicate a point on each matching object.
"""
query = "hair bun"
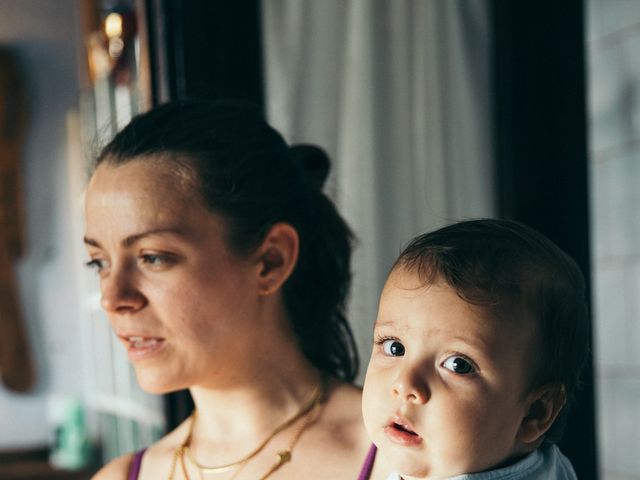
(315, 163)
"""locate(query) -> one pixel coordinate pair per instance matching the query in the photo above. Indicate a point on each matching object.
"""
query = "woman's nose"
(411, 386)
(120, 293)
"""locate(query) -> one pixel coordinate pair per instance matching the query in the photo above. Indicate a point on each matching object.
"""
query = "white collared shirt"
(546, 463)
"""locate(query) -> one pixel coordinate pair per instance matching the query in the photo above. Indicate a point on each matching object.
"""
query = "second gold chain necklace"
(184, 449)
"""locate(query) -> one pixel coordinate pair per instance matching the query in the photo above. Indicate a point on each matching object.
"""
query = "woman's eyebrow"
(131, 239)
(90, 241)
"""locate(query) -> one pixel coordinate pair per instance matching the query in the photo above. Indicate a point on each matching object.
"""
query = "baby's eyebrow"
(389, 324)
(476, 342)
(385, 323)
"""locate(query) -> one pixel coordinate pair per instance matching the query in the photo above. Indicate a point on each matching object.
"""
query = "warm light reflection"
(113, 25)
(99, 63)
(116, 45)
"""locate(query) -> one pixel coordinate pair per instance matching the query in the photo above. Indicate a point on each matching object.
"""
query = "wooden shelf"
(33, 464)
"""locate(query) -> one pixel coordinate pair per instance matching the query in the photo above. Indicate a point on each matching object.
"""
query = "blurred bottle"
(70, 440)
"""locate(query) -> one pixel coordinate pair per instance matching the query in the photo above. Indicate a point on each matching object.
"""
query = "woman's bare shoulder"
(345, 399)
(156, 461)
(343, 414)
(116, 469)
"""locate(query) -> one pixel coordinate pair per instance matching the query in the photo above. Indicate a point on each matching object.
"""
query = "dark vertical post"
(541, 150)
(214, 49)
(206, 49)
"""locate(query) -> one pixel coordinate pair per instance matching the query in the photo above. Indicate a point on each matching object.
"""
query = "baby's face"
(446, 384)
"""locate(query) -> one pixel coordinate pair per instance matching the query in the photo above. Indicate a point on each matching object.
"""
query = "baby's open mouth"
(400, 431)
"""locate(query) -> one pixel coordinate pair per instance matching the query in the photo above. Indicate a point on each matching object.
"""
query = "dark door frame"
(205, 49)
(540, 139)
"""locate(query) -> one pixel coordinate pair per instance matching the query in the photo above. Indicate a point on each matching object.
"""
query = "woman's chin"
(157, 383)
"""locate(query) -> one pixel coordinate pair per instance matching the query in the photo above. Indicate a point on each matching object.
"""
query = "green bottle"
(71, 445)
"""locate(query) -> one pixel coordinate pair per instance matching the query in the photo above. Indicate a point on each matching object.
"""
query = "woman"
(224, 269)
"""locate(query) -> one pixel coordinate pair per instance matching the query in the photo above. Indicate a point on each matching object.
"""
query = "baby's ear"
(545, 403)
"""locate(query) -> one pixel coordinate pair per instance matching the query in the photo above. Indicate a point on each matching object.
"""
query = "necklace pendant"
(284, 456)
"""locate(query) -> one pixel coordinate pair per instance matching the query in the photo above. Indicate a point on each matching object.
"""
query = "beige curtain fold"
(398, 93)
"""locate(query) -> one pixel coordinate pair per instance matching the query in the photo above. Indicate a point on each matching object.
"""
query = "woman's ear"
(277, 257)
(544, 405)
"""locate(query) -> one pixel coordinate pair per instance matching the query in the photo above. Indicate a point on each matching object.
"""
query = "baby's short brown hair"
(511, 269)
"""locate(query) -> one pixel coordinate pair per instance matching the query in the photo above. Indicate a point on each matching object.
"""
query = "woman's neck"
(240, 405)
(255, 398)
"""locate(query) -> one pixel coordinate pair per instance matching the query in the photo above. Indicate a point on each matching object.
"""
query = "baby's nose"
(411, 386)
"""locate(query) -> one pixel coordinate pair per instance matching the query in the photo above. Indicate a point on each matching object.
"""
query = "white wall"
(44, 34)
(613, 46)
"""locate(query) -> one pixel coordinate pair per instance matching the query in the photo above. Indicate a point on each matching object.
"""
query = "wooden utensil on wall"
(17, 369)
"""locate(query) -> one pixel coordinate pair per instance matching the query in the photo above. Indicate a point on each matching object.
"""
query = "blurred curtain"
(398, 94)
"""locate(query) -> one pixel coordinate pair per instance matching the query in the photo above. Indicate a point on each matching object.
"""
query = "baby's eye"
(393, 348)
(459, 365)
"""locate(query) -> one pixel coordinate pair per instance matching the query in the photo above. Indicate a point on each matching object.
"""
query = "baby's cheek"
(466, 442)
(371, 408)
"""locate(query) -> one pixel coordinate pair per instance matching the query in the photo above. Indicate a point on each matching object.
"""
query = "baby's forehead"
(495, 304)
(411, 280)
(425, 306)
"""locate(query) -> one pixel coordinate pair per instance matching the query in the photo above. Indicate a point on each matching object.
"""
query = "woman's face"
(178, 299)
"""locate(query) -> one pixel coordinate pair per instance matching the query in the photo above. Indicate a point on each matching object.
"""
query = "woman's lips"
(400, 431)
(141, 346)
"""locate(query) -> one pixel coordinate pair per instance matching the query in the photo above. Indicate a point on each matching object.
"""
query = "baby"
(481, 335)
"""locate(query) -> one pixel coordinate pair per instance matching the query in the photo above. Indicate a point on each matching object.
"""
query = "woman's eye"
(153, 259)
(459, 365)
(157, 260)
(95, 264)
(393, 348)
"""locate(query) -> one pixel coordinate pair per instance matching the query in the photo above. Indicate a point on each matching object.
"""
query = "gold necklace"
(174, 460)
(184, 450)
(284, 456)
(184, 467)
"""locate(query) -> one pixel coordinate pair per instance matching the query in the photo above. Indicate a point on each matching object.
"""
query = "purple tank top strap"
(365, 472)
(367, 466)
(134, 468)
